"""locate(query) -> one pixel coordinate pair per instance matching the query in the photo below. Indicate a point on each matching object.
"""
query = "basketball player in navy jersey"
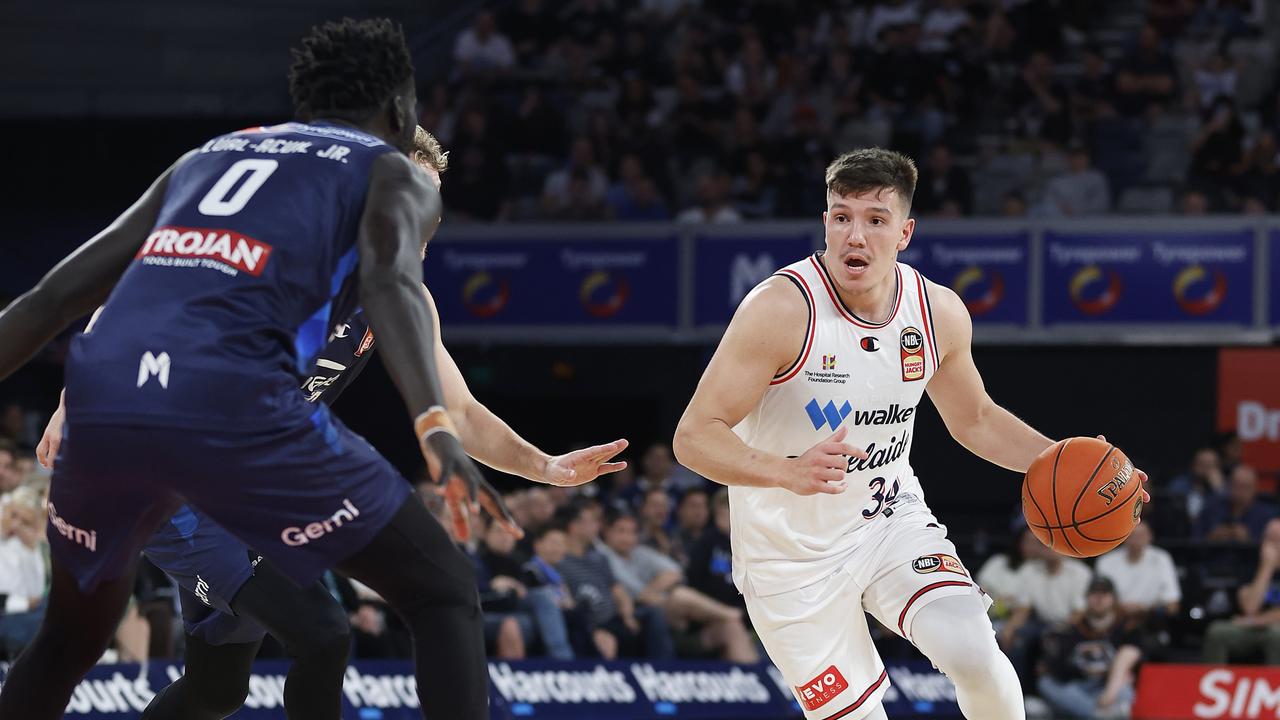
(231, 597)
(225, 279)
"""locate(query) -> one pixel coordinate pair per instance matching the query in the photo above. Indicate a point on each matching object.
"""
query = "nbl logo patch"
(912, 342)
(938, 562)
(820, 690)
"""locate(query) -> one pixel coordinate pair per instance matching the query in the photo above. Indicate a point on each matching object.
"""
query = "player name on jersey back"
(865, 377)
(236, 290)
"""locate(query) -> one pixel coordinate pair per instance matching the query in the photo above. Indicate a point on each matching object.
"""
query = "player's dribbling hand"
(463, 487)
(821, 468)
(47, 450)
(583, 466)
(1142, 477)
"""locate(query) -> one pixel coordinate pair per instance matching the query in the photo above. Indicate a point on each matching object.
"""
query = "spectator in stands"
(998, 576)
(1230, 450)
(1042, 102)
(1191, 490)
(1093, 93)
(712, 190)
(711, 560)
(941, 24)
(658, 469)
(1014, 205)
(1217, 148)
(558, 191)
(1083, 190)
(1147, 75)
(940, 183)
(1145, 578)
(1257, 627)
(539, 509)
(482, 49)
(1092, 662)
(618, 627)
(655, 517)
(549, 599)
(635, 196)
(1258, 174)
(754, 188)
(655, 580)
(23, 570)
(477, 187)
(1049, 590)
(1215, 78)
(693, 512)
(1194, 203)
(1238, 516)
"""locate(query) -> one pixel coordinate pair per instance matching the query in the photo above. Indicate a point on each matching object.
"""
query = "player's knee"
(958, 639)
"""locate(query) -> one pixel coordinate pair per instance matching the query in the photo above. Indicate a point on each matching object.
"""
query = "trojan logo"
(1094, 292)
(1196, 292)
(603, 296)
(980, 290)
(484, 295)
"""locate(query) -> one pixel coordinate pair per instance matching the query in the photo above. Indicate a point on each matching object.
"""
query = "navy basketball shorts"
(210, 566)
(306, 496)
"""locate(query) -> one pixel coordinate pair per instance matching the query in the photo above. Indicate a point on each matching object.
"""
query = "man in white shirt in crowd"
(23, 569)
(1144, 575)
(1083, 190)
(1048, 590)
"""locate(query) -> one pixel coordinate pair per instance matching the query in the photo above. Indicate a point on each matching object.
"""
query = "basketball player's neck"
(873, 304)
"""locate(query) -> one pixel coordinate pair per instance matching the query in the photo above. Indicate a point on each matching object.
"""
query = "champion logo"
(827, 414)
(870, 344)
(227, 250)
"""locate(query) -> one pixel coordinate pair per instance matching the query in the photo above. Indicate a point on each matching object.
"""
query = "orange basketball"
(1081, 497)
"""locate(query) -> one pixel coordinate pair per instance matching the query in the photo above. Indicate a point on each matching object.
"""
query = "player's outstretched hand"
(822, 467)
(583, 466)
(47, 450)
(1142, 477)
(464, 488)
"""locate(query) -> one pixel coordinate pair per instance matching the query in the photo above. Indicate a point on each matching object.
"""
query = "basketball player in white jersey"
(807, 413)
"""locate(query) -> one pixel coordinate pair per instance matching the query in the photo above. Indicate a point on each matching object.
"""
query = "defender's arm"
(80, 282)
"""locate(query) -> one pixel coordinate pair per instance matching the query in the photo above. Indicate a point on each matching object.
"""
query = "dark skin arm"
(402, 208)
(78, 284)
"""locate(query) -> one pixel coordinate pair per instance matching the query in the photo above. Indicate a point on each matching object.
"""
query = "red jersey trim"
(845, 312)
(795, 367)
(884, 675)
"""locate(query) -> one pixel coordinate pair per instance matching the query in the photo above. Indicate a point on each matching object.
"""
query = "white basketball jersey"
(867, 377)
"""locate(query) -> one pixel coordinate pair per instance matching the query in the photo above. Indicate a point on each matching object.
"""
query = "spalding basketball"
(1081, 497)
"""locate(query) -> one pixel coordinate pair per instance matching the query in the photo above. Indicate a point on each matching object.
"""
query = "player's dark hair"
(348, 68)
(872, 170)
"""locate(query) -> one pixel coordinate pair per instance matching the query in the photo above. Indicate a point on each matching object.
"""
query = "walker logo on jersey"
(1197, 291)
(295, 536)
(912, 342)
(366, 342)
(980, 290)
(828, 362)
(869, 344)
(224, 250)
(485, 296)
(827, 414)
(1094, 292)
(938, 562)
(822, 689)
(1111, 490)
(202, 591)
(154, 366)
(602, 295)
(79, 536)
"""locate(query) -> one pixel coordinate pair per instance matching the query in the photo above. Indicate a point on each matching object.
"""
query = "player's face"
(864, 234)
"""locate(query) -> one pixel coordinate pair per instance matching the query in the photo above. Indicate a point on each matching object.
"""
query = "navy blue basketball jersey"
(236, 290)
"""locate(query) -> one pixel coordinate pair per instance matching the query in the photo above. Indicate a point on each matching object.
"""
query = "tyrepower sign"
(1249, 402)
(1191, 692)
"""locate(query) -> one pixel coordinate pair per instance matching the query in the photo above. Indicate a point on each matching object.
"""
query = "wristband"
(434, 420)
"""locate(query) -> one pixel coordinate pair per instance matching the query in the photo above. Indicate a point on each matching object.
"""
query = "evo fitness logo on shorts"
(296, 536)
(820, 690)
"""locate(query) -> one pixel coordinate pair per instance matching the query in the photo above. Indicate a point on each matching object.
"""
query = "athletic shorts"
(306, 496)
(817, 635)
(210, 566)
